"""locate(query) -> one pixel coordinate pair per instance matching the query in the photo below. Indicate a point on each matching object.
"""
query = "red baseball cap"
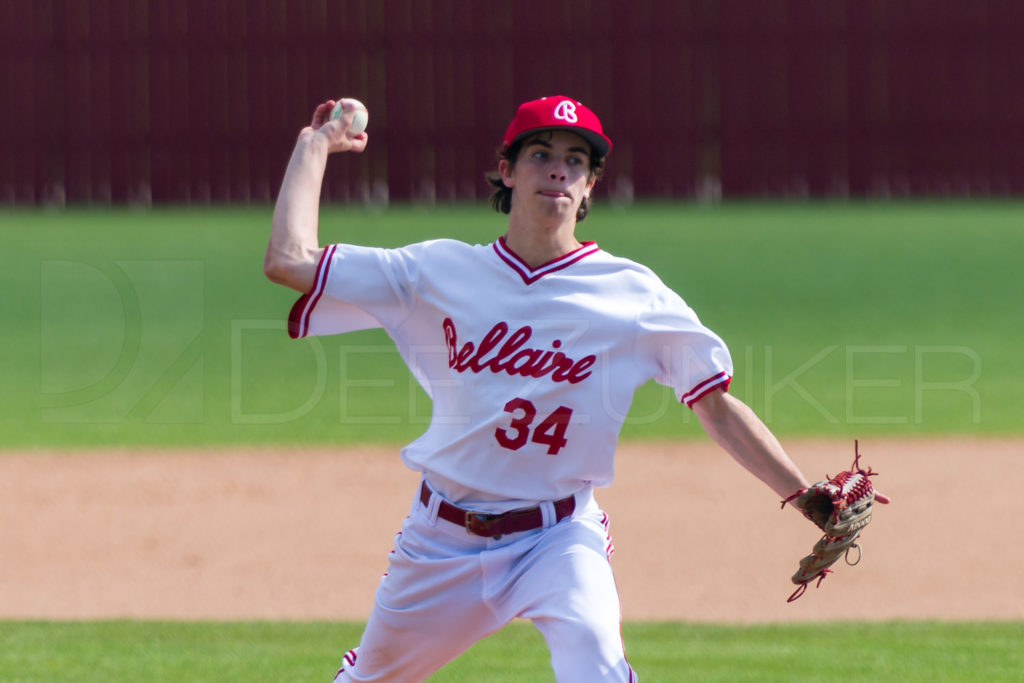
(557, 113)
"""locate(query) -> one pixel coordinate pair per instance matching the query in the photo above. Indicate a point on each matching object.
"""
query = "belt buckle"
(476, 524)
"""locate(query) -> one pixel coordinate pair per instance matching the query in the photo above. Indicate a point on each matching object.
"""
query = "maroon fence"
(199, 100)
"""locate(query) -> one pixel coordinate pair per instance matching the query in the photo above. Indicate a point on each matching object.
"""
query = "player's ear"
(590, 186)
(505, 170)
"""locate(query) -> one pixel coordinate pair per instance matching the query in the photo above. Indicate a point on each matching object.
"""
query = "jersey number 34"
(549, 432)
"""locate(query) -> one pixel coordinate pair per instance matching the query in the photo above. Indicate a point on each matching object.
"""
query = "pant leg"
(573, 601)
(428, 607)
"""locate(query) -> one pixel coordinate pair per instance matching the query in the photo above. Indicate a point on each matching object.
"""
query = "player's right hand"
(336, 130)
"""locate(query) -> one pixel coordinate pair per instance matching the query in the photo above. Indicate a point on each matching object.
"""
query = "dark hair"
(501, 199)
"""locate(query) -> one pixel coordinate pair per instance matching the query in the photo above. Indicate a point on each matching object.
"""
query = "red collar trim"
(531, 275)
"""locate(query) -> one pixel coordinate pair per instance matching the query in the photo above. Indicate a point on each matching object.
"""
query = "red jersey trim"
(298, 317)
(531, 275)
(719, 381)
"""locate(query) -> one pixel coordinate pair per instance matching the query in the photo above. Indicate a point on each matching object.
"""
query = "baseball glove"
(841, 507)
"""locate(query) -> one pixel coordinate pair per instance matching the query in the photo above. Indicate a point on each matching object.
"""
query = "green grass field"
(131, 327)
(155, 652)
(156, 328)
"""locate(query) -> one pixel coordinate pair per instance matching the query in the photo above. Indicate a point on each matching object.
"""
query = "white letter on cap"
(566, 111)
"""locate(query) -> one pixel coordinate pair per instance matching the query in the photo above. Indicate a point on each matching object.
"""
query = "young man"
(530, 348)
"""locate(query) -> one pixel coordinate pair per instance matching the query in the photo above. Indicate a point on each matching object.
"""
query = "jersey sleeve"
(356, 288)
(681, 352)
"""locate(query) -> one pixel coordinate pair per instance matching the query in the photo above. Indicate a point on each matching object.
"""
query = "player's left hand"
(841, 507)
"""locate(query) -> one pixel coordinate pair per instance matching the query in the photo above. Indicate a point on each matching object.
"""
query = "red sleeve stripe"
(719, 381)
(298, 317)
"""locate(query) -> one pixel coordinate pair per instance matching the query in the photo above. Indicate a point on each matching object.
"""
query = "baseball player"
(530, 348)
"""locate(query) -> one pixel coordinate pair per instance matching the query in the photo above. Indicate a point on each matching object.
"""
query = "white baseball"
(360, 117)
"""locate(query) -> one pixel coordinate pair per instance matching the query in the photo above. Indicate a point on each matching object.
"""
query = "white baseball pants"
(446, 589)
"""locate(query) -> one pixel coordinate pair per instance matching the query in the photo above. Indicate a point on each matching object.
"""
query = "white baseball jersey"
(531, 371)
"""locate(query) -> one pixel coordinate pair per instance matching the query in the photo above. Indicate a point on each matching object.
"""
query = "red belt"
(496, 526)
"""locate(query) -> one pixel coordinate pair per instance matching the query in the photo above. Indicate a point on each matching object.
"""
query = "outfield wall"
(198, 100)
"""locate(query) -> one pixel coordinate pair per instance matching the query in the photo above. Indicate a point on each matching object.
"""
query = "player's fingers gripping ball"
(841, 507)
(360, 115)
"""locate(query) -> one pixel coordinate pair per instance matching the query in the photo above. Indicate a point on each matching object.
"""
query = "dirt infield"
(305, 534)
